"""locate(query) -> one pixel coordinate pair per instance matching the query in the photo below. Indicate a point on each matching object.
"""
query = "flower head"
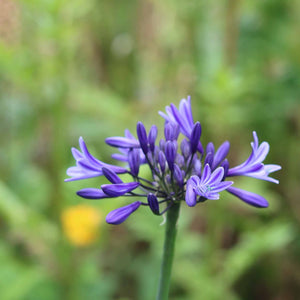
(179, 171)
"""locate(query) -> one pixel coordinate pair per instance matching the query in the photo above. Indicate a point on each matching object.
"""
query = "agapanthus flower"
(181, 170)
(88, 166)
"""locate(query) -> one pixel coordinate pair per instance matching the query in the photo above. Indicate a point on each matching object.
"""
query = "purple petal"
(262, 152)
(91, 193)
(162, 161)
(178, 175)
(195, 137)
(119, 215)
(76, 153)
(272, 168)
(221, 154)
(225, 166)
(162, 114)
(185, 148)
(129, 135)
(212, 196)
(255, 139)
(162, 144)
(222, 186)
(210, 148)
(86, 153)
(86, 164)
(264, 172)
(205, 174)
(181, 120)
(190, 195)
(120, 157)
(122, 142)
(134, 161)
(179, 159)
(75, 171)
(116, 169)
(200, 147)
(171, 131)
(78, 174)
(152, 137)
(111, 175)
(216, 176)
(119, 189)
(197, 167)
(248, 197)
(209, 158)
(185, 109)
(195, 180)
(170, 154)
(245, 169)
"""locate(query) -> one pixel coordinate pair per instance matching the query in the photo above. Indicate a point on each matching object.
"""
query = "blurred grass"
(94, 68)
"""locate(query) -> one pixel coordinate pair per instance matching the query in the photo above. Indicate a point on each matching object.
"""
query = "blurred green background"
(93, 68)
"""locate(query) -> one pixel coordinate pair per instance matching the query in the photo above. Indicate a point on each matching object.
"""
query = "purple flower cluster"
(182, 170)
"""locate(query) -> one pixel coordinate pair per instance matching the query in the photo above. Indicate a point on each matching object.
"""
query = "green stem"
(168, 254)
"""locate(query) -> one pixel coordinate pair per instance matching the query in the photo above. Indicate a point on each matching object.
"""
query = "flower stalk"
(168, 252)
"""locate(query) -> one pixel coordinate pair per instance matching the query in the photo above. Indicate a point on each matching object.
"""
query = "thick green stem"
(168, 254)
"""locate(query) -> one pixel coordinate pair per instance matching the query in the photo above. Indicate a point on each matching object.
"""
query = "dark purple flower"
(119, 215)
(253, 166)
(162, 161)
(171, 154)
(153, 203)
(208, 186)
(195, 137)
(152, 137)
(183, 117)
(88, 166)
(142, 136)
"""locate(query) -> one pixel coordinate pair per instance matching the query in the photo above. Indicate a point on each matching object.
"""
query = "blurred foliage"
(93, 68)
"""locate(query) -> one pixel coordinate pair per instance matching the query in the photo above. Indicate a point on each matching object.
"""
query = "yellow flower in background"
(81, 224)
